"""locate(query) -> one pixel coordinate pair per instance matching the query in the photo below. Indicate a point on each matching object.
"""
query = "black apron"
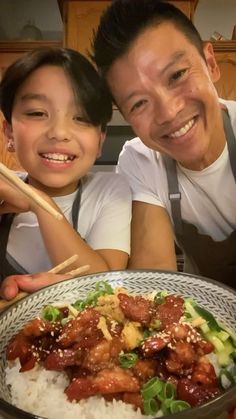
(213, 259)
(6, 268)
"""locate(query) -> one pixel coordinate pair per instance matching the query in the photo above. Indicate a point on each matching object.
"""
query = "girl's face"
(53, 140)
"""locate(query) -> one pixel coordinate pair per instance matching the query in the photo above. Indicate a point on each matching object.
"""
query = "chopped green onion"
(128, 360)
(168, 392)
(160, 297)
(178, 405)
(165, 407)
(156, 324)
(146, 334)
(51, 313)
(66, 320)
(79, 305)
(101, 288)
(152, 388)
(150, 407)
(104, 287)
(92, 298)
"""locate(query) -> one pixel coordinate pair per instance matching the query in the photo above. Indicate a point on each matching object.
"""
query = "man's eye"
(178, 74)
(137, 105)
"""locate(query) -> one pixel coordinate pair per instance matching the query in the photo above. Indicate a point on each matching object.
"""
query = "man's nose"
(59, 129)
(167, 106)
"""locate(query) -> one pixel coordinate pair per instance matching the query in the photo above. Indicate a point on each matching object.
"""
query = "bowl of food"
(132, 344)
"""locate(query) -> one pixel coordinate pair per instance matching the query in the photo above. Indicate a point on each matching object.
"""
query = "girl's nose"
(59, 130)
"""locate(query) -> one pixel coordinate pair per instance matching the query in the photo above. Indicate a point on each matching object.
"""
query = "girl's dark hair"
(90, 90)
(124, 20)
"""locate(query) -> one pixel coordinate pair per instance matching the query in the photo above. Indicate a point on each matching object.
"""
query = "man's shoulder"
(104, 180)
(137, 147)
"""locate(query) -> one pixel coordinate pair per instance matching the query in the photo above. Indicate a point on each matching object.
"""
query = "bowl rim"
(77, 278)
(9, 408)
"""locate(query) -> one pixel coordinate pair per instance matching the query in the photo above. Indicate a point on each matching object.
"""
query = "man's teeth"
(182, 130)
(57, 157)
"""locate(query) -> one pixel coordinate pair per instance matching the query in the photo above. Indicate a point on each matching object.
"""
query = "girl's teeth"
(56, 157)
(182, 130)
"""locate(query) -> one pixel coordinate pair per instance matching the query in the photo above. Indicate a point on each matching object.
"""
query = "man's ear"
(102, 139)
(7, 129)
(212, 65)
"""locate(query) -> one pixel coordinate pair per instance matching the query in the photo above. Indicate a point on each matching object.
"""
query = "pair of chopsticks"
(18, 183)
(57, 269)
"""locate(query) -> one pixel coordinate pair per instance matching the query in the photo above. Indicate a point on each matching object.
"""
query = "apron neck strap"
(76, 206)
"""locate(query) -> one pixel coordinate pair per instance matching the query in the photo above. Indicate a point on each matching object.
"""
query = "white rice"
(41, 392)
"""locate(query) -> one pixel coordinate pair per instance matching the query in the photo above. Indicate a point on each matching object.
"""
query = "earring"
(10, 146)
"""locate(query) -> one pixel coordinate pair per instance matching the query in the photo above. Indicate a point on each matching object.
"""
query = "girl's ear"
(212, 65)
(102, 139)
(7, 129)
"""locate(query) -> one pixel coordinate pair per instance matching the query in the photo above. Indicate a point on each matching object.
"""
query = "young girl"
(56, 109)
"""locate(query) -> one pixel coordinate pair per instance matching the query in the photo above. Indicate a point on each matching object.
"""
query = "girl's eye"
(178, 74)
(36, 114)
(82, 120)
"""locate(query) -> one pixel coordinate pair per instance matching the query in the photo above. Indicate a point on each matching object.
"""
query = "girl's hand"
(13, 200)
(13, 284)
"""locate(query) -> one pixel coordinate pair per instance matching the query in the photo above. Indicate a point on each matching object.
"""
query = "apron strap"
(76, 207)
(5, 225)
(174, 193)
(172, 178)
(231, 142)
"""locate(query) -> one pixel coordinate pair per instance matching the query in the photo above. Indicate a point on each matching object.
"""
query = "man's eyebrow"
(33, 96)
(174, 59)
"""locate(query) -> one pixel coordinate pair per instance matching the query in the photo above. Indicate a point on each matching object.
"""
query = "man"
(182, 168)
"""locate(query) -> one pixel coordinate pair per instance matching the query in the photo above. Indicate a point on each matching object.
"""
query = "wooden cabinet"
(187, 6)
(11, 50)
(225, 52)
(81, 18)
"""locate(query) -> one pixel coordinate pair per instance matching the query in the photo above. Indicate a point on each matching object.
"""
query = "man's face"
(165, 90)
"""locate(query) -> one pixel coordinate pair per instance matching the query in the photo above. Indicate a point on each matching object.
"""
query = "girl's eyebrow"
(34, 96)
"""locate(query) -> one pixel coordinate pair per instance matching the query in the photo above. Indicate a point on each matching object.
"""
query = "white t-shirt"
(208, 197)
(104, 222)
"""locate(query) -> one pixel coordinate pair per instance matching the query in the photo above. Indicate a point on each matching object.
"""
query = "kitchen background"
(210, 16)
(41, 20)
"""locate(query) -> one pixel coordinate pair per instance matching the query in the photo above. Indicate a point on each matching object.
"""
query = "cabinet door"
(81, 18)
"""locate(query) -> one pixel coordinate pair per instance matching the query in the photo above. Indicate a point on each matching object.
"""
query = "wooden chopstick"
(4, 303)
(27, 190)
(81, 269)
(63, 265)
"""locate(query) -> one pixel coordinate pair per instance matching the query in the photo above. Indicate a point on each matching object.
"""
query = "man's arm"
(152, 238)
